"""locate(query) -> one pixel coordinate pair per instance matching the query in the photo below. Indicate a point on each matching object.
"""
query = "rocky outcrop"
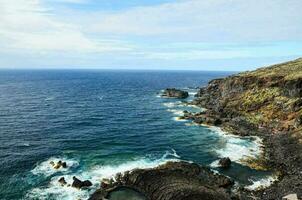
(175, 93)
(58, 165)
(202, 118)
(268, 97)
(172, 181)
(62, 181)
(225, 162)
(77, 183)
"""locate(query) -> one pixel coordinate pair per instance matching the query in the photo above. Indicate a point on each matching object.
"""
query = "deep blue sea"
(103, 122)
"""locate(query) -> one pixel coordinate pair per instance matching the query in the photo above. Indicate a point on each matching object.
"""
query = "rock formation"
(175, 93)
(172, 181)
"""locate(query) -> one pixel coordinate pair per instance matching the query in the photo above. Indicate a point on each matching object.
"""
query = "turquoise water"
(101, 123)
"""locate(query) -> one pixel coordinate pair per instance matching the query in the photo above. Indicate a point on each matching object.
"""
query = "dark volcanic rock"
(175, 93)
(64, 165)
(62, 181)
(58, 165)
(175, 181)
(77, 183)
(266, 103)
(225, 162)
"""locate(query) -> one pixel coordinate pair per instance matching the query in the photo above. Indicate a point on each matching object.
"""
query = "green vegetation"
(289, 70)
(264, 99)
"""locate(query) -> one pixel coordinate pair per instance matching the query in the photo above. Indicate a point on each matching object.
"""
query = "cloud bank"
(81, 33)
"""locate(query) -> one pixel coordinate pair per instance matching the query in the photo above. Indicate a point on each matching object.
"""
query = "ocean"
(102, 122)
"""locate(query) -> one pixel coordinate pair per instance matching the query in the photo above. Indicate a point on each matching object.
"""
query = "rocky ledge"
(175, 93)
(171, 181)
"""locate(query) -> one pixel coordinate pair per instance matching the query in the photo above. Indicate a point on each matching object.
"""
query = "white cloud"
(70, 1)
(212, 20)
(46, 31)
(28, 25)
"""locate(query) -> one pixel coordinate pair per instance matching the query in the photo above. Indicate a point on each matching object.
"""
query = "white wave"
(192, 93)
(49, 98)
(95, 174)
(238, 148)
(46, 169)
(173, 154)
(55, 191)
(261, 183)
(170, 104)
(178, 119)
(215, 164)
(190, 124)
(100, 98)
(176, 112)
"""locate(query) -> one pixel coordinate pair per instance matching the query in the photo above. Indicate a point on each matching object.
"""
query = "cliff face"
(269, 98)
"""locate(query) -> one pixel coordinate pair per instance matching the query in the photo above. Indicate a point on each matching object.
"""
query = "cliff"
(268, 98)
(267, 103)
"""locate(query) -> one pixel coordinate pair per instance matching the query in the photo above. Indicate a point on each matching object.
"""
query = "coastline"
(231, 103)
(281, 154)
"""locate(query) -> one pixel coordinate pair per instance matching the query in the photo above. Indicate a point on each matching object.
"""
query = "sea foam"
(261, 183)
(44, 168)
(95, 174)
(237, 148)
(176, 112)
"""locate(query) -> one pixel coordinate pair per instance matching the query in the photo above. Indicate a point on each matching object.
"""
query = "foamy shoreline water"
(249, 148)
(95, 174)
(237, 148)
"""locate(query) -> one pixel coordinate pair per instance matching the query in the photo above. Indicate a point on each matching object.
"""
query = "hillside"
(267, 103)
(265, 98)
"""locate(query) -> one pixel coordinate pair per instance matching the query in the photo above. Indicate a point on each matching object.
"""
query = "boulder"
(77, 183)
(175, 93)
(225, 162)
(58, 165)
(64, 165)
(62, 181)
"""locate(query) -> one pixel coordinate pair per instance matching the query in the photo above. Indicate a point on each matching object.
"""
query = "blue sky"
(230, 35)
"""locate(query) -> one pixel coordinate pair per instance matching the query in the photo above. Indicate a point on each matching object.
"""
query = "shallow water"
(101, 123)
(120, 194)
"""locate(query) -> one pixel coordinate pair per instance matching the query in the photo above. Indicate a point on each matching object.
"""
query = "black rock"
(77, 183)
(86, 183)
(62, 181)
(64, 165)
(173, 181)
(175, 93)
(225, 162)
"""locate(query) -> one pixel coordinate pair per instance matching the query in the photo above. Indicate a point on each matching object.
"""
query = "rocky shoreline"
(265, 103)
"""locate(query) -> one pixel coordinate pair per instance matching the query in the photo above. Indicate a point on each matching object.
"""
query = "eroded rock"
(174, 181)
(77, 183)
(225, 162)
(62, 181)
(175, 93)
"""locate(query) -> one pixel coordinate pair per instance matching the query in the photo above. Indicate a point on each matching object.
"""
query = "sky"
(230, 35)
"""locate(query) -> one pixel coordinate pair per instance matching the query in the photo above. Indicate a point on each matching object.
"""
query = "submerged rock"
(173, 181)
(225, 162)
(175, 93)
